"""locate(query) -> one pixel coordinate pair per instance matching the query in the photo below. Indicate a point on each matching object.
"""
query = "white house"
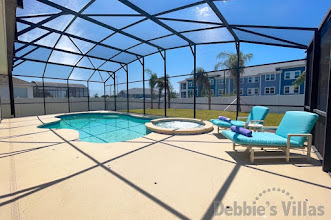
(22, 89)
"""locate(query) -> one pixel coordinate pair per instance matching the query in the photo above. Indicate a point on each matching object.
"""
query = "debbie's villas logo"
(261, 206)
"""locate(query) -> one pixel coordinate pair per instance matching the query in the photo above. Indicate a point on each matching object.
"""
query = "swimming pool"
(102, 127)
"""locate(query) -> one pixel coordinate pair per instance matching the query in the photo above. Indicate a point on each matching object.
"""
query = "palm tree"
(229, 60)
(169, 90)
(301, 79)
(161, 83)
(203, 82)
(160, 87)
(153, 80)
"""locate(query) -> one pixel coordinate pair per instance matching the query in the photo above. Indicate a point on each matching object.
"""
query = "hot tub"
(179, 126)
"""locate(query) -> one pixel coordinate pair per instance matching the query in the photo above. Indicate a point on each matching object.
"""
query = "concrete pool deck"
(50, 174)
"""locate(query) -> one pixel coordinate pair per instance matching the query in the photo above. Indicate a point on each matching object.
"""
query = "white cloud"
(64, 58)
(202, 11)
(65, 44)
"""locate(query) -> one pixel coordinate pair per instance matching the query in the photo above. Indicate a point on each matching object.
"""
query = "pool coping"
(207, 126)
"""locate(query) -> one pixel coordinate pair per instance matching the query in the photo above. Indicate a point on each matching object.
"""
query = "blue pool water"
(179, 124)
(102, 127)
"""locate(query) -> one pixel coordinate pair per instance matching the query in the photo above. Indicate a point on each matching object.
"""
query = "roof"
(16, 81)
(89, 35)
(258, 69)
(59, 85)
(137, 91)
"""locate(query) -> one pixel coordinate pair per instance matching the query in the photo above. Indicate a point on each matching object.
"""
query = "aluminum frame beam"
(221, 17)
(81, 38)
(154, 19)
(66, 10)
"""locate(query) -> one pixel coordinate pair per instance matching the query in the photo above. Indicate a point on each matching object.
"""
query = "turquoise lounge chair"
(292, 132)
(257, 115)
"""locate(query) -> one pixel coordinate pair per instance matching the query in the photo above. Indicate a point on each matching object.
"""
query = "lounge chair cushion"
(296, 122)
(258, 113)
(224, 124)
(259, 139)
(238, 123)
(220, 123)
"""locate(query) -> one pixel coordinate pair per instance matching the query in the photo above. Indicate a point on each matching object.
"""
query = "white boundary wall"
(35, 106)
(220, 103)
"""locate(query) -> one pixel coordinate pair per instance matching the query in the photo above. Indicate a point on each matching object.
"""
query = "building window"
(211, 81)
(241, 80)
(270, 77)
(221, 92)
(292, 75)
(190, 84)
(190, 93)
(252, 91)
(291, 90)
(241, 91)
(253, 79)
(20, 92)
(183, 85)
(296, 74)
(221, 81)
(269, 90)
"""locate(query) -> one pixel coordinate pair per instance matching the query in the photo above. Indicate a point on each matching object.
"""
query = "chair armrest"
(270, 128)
(241, 118)
(254, 121)
(299, 135)
(308, 136)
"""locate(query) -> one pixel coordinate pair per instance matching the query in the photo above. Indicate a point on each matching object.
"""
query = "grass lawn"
(273, 119)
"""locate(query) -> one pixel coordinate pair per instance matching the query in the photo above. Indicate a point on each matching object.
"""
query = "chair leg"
(287, 151)
(308, 152)
(309, 148)
(252, 155)
(234, 146)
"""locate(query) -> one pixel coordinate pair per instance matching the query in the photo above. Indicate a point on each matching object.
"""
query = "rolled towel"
(222, 118)
(242, 131)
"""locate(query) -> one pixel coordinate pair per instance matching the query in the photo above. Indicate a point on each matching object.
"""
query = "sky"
(300, 13)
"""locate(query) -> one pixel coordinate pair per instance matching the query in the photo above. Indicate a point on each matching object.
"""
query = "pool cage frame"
(141, 58)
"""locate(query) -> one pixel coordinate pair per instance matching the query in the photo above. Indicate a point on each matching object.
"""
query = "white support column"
(7, 37)
(7, 33)
(3, 40)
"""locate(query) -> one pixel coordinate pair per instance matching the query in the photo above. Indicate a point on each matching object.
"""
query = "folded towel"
(242, 131)
(225, 119)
